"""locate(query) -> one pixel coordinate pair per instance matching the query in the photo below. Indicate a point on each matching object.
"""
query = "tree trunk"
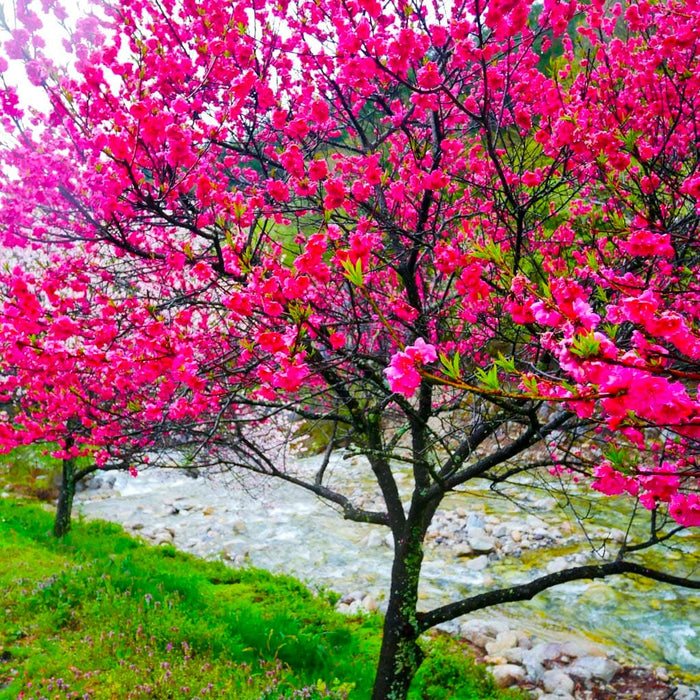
(400, 655)
(64, 506)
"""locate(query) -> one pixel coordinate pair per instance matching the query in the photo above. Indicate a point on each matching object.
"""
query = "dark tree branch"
(526, 591)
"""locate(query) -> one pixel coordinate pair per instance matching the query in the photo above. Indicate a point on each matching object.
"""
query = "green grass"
(102, 615)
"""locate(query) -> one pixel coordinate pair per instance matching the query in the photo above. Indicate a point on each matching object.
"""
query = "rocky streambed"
(472, 544)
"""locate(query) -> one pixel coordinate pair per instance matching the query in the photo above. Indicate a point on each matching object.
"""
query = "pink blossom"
(429, 76)
(685, 509)
(402, 375)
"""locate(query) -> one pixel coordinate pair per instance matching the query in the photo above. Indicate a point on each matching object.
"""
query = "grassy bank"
(102, 615)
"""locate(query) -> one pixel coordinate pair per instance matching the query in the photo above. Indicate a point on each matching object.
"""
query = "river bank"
(269, 526)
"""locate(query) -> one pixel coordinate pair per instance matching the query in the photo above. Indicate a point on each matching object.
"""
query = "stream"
(478, 540)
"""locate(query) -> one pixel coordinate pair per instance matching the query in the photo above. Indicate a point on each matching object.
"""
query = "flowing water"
(283, 528)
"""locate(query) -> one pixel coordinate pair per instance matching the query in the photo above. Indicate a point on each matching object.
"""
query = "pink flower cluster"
(402, 372)
(653, 487)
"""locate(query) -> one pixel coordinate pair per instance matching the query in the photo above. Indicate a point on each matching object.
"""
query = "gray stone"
(479, 541)
(507, 674)
(462, 550)
(581, 647)
(501, 530)
(556, 681)
(369, 603)
(504, 640)
(685, 692)
(534, 659)
(514, 655)
(475, 520)
(598, 667)
(478, 563)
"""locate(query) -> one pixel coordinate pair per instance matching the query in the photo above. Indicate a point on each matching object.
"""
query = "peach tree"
(465, 236)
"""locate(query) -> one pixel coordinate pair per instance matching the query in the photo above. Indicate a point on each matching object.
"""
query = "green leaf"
(507, 364)
(353, 272)
(586, 345)
(451, 366)
(489, 378)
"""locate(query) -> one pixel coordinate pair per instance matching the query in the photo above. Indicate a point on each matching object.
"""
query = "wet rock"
(478, 563)
(557, 681)
(462, 550)
(507, 674)
(479, 541)
(535, 658)
(581, 647)
(504, 640)
(601, 668)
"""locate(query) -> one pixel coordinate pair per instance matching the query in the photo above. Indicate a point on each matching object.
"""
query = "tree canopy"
(473, 255)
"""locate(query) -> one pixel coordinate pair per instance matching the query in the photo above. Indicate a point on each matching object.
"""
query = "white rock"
(514, 655)
(500, 530)
(479, 541)
(533, 659)
(478, 563)
(504, 640)
(599, 667)
(685, 692)
(507, 674)
(462, 550)
(581, 647)
(615, 535)
(369, 603)
(556, 681)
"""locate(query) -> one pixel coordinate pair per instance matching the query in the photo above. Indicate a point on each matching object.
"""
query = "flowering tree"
(476, 258)
(68, 373)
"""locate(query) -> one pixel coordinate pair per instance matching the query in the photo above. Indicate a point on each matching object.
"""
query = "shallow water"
(280, 527)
